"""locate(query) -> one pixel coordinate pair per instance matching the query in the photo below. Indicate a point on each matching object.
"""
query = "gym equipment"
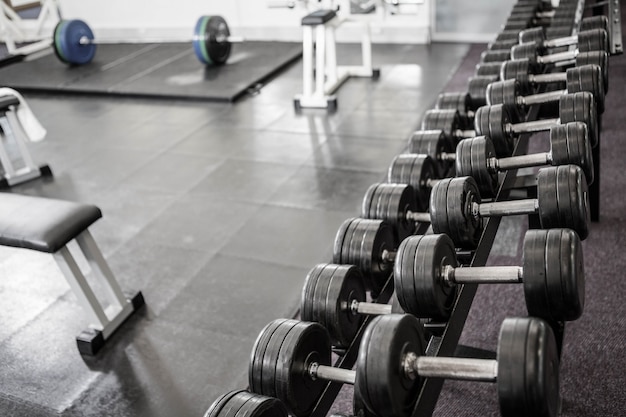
(449, 122)
(291, 361)
(243, 403)
(585, 78)
(368, 244)
(591, 40)
(477, 88)
(562, 202)
(500, 122)
(320, 83)
(435, 144)
(426, 273)
(538, 35)
(461, 102)
(47, 225)
(28, 33)
(488, 68)
(12, 130)
(495, 55)
(521, 70)
(568, 145)
(396, 204)
(74, 42)
(417, 170)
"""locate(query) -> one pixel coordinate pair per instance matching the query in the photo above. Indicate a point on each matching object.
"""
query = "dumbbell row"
(291, 361)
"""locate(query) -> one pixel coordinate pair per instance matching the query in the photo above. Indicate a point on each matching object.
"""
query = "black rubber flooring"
(154, 71)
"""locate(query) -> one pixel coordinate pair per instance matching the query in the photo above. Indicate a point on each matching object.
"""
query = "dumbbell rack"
(446, 344)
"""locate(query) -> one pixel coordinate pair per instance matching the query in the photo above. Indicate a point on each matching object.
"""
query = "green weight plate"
(304, 344)
(210, 40)
(379, 371)
(569, 145)
(528, 369)
(57, 43)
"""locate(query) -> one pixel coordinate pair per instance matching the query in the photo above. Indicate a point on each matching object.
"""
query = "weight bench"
(48, 225)
(328, 76)
(11, 131)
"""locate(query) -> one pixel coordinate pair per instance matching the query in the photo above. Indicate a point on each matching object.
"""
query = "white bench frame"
(14, 29)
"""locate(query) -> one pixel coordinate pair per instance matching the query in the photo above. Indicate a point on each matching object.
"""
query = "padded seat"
(318, 17)
(42, 224)
(8, 101)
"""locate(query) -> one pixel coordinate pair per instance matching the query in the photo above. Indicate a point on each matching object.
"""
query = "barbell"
(74, 42)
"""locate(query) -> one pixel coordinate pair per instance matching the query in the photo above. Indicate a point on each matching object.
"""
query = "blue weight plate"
(200, 39)
(67, 41)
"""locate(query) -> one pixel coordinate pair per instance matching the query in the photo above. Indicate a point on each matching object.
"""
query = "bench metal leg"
(105, 314)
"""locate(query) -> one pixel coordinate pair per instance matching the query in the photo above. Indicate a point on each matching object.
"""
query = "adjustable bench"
(48, 225)
(320, 84)
(11, 130)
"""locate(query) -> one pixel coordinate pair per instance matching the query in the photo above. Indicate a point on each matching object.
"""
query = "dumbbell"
(538, 34)
(501, 123)
(521, 70)
(291, 360)
(74, 42)
(488, 68)
(435, 144)
(562, 202)
(426, 273)
(476, 158)
(449, 122)
(397, 205)
(495, 55)
(577, 79)
(417, 170)
(370, 245)
(461, 102)
(477, 88)
(239, 403)
(590, 40)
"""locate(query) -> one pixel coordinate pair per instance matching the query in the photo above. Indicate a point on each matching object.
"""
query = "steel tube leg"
(307, 61)
(320, 58)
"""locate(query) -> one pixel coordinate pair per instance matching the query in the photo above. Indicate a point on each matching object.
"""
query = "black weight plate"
(593, 40)
(499, 46)
(438, 207)
(580, 107)
(597, 22)
(477, 89)
(379, 371)
(465, 229)
(433, 296)
(271, 364)
(432, 143)
(492, 121)
(488, 69)
(535, 35)
(571, 283)
(599, 58)
(505, 92)
(587, 78)
(392, 205)
(216, 407)
(538, 302)
(340, 240)
(478, 151)
(235, 404)
(307, 307)
(526, 51)
(454, 101)
(414, 170)
(261, 406)
(318, 295)
(346, 285)
(446, 120)
(255, 368)
(563, 199)
(507, 35)
(495, 55)
(517, 69)
(403, 283)
(528, 369)
(304, 344)
(569, 145)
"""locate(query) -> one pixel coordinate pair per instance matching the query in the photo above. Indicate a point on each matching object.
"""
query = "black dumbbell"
(435, 144)
(495, 55)
(501, 123)
(370, 245)
(461, 102)
(488, 69)
(521, 70)
(241, 403)
(477, 89)
(397, 205)
(568, 145)
(562, 202)
(591, 40)
(417, 170)
(426, 273)
(291, 360)
(577, 79)
(449, 122)
(538, 35)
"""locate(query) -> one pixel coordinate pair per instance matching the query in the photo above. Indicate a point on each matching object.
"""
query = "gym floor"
(216, 212)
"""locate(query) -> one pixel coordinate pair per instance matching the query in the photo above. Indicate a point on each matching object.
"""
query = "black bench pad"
(7, 101)
(42, 224)
(318, 17)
